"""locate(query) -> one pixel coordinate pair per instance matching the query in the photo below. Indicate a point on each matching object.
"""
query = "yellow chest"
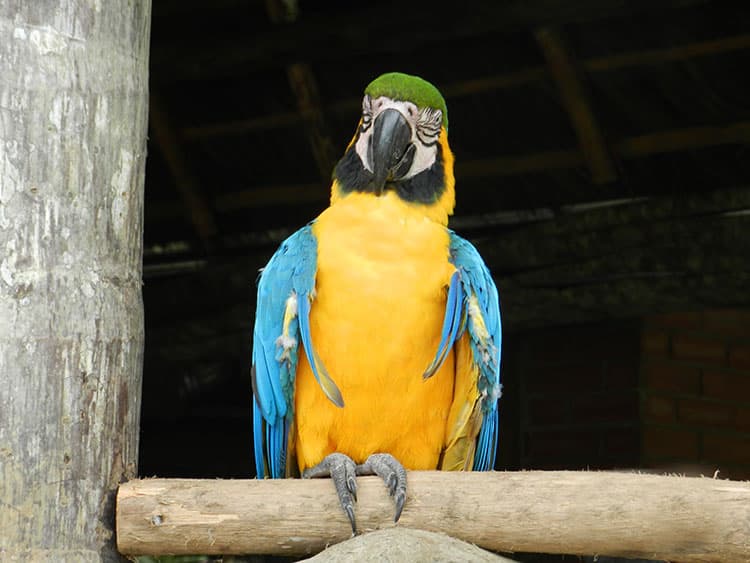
(381, 288)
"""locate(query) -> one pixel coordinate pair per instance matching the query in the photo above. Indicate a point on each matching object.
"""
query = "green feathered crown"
(408, 88)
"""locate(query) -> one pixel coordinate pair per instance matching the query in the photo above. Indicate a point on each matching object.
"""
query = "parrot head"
(400, 146)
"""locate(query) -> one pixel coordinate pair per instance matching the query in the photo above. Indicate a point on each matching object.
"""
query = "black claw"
(400, 500)
(342, 471)
(352, 520)
(393, 475)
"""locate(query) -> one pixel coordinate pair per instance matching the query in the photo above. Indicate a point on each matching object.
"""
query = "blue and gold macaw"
(397, 316)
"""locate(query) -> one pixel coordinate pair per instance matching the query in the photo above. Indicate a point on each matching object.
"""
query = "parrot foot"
(342, 471)
(390, 470)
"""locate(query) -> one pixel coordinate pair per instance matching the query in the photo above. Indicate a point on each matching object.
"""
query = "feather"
(473, 422)
(258, 444)
(288, 278)
(263, 385)
(486, 443)
(464, 420)
(451, 324)
(319, 370)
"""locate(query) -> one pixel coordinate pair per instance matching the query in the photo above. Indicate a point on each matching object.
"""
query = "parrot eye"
(428, 125)
(366, 113)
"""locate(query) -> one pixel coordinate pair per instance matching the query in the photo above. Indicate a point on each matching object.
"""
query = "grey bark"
(73, 117)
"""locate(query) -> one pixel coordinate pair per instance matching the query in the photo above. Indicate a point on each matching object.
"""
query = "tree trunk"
(73, 116)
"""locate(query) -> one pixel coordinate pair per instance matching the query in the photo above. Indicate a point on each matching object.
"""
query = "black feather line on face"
(350, 173)
(426, 187)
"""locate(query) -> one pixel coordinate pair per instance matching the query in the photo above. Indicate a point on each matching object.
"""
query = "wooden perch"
(606, 513)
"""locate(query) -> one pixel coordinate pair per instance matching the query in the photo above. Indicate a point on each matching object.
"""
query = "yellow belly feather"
(381, 285)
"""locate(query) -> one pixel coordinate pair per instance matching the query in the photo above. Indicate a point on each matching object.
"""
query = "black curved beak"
(391, 150)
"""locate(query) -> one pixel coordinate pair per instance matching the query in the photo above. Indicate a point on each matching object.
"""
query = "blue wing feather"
(451, 324)
(290, 273)
(485, 334)
(319, 371)
(264, 384)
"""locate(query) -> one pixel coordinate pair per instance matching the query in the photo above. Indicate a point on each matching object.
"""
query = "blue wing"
(285, 292)
(479, 314)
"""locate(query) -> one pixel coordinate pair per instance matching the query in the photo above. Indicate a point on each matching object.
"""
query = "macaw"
(398, 317)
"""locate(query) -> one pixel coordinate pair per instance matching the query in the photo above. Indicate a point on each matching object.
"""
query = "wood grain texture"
(73, 112)
(623, 514)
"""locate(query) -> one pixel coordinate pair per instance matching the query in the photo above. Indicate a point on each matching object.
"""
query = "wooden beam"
(494, 82)
(656, 255)
(169, 143)
(243, 126)
(690, 221)
(511, 165)
(491, 83)
(273, 195)
(623, 514)
(645, 57)
(282, 11)
(659, 255)
(305, 88)
(638, 146)
(319, 38)
(577, 103)
(353, 105)
(684, 139)
(623, 296)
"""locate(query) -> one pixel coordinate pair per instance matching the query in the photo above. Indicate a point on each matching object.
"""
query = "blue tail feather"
(258, 440)
(484, 459)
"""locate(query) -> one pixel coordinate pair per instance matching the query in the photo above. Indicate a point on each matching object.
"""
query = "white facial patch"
(425, 126)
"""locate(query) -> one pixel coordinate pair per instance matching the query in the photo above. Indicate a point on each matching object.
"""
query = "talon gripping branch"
(377, 335)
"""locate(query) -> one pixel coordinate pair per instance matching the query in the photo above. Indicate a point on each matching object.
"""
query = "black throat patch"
(426, 187)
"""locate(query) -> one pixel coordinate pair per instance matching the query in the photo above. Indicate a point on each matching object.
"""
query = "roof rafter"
(496, 82)
(577, 104)
(638, 146)
(321, 36)
(304, 86)
(168, 141)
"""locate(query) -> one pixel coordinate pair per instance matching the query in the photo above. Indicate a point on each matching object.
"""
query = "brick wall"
(695, 392)
(578, 396)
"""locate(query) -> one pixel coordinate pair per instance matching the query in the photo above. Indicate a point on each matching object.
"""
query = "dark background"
(602, 171)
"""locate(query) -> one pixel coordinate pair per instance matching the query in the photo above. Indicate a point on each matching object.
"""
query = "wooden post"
(73, 114)
(605, 513)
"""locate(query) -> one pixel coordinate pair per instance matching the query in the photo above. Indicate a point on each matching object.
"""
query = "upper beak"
(391, 150)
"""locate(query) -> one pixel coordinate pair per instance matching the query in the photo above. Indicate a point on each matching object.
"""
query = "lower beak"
(391, 150)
